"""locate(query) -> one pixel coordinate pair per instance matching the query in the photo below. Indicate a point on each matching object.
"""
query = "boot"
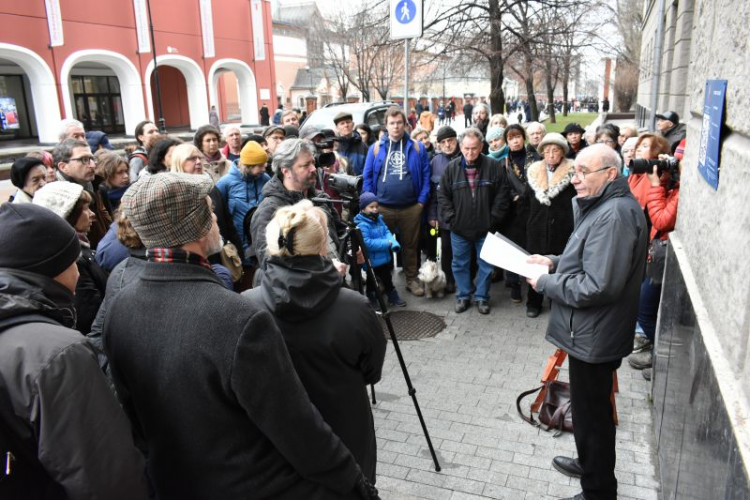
(395, 300)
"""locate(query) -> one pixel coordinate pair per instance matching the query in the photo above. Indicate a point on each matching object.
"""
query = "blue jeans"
(462, 269)
(648, 309)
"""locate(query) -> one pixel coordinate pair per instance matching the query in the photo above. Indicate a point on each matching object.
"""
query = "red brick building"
(94, 62)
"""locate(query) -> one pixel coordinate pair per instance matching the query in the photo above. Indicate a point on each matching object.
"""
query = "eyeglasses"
(605, 141)
(582, 175)
(85, 160)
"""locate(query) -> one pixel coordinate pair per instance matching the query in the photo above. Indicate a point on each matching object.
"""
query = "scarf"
(176, 255)
(115, 194)
(216, 156)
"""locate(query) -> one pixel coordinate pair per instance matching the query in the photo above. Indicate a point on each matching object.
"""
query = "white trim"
(43, 89)
(248, 92)
(131, 89)
(196, 87)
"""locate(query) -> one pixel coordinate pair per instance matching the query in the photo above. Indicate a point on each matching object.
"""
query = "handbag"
(657, 259)
(555, 412)
(230, 258)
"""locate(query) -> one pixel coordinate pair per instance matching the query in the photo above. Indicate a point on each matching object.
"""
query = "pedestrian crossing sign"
(406, 19)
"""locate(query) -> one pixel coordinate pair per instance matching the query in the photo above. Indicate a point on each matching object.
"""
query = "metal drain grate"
(414, 325)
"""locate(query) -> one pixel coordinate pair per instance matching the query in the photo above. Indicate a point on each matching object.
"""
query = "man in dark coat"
(62, 433)
(468, 111)
(214, 396)
(350, 144)
(668, 124)
(594, 287)
(264, 115)
(474, 199)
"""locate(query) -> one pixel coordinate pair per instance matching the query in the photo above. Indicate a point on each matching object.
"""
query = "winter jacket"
(596, 285)
(572, 154)
(112, 195)
(378, 240)
(110, 251)
(215, 396)
(335, 341)
(675, 134)
(58, 417)
(438, 165)
(137, 161)
(639, 186)
(662, 210)
(355, 151)
(90, 289)
(241, 193)
(550, 219)
(515, 224)
(417, 161)
(225, 222)
(472, 215)
(21, 197)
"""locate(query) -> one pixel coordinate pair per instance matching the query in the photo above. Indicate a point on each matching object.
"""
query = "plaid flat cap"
(169, 209)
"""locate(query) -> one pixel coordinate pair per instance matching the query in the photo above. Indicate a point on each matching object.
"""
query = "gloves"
(395, 246)
(366, 489)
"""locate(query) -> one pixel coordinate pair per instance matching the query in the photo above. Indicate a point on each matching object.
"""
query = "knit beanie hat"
(495, 133)
(365, 199)
(169, 209)
(445, 132)
(37, 240)
(21, 168)
(253, 154)
(60, 197)
(553, 138)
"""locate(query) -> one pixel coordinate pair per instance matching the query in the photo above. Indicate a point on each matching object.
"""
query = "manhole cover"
(414, 325)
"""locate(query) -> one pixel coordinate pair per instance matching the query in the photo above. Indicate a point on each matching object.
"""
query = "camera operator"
(294, 179)
(661, 204)
(648, 147)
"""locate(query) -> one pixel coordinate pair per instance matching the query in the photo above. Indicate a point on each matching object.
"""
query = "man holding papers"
(474, 198)
(594, 288)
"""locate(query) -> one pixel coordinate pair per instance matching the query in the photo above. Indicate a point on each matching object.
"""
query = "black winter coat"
(58, 416)
(515, 224)
(90, 289)
(208, 383)
(224, 220)
(335, 341)
(471, 216)
(550, 208)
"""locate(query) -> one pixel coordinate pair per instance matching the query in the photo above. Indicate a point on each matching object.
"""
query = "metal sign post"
(406, 23)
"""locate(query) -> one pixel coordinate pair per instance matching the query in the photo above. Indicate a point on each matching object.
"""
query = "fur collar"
(545, 191)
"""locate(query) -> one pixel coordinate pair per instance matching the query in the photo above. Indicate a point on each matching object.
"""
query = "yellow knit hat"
(253, 154)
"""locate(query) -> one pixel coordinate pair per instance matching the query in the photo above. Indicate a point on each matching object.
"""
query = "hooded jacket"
(472, 215)
(417, 161)
(597, 280)
(355, 151)
(377, 238)
(241, 193)
(335, 341)
(58, 416)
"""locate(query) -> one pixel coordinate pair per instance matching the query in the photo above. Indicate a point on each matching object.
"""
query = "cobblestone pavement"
(467, 379)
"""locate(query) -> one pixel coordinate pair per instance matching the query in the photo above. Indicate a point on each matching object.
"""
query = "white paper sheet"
(501, 252)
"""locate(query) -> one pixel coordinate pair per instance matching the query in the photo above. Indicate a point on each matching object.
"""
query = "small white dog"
(432, 278)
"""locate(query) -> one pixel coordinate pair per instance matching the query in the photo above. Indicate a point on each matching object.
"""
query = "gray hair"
(608, 156)
(288, 151)
(480, 105)
(471, 132)
(63, 152)
(67, 124)
(231, 126)
(536, 124)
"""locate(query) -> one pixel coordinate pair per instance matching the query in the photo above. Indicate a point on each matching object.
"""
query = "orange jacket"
(639, 186)
(662, 209)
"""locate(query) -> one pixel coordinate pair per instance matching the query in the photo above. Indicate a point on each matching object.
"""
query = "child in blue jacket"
(380, 244)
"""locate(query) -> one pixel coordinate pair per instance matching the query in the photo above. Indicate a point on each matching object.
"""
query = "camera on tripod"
(347, 186)
(669, 164)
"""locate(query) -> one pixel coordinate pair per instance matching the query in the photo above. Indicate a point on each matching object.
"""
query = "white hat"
(60, 197)
(555, 139)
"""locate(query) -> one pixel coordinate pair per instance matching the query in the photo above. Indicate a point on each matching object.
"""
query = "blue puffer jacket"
(378, 239)
(241, 194)
(417, 160)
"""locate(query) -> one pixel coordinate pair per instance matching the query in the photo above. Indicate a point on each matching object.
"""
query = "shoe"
(395, 300)
(483, 306)
(647, 374)
(642, 343)
(515, 293)
(571, 467)
(450, 287)
(533, 312)
(577, 497)
(642, 360)
(461, 305)
(415, 288)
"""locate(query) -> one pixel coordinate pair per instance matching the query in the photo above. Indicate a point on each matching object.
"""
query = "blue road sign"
(406, 11)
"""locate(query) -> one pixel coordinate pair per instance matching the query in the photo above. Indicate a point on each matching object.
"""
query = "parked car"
(371, 113)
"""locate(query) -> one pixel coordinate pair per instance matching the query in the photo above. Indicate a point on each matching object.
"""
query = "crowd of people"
(120, 265)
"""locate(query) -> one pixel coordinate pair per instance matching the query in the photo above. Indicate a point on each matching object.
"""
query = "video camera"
(669, 164)
(348, 186)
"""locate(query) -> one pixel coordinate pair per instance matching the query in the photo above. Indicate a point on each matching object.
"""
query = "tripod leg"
(372, 391)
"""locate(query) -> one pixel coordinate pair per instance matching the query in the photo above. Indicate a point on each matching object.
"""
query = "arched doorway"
(228, 97)
(174, 98)
(31, 87)
(195, 85)
(103, 90)
(245, 85)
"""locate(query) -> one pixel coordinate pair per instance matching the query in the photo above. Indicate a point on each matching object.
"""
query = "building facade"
(66, 59)
(701, 379)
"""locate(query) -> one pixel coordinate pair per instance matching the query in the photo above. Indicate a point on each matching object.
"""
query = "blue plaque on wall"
(710, 144)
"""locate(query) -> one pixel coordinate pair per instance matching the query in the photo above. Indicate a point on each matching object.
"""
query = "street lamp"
(162, 123)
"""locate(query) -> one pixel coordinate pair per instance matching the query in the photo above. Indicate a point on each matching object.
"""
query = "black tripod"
(353, 241)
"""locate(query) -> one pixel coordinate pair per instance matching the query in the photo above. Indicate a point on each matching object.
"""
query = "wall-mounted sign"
(8, 114)
(710, 143)
(265, 93)
(207, 27)
(141, 26)
(259, 42)
(54, 23)
(406, 19)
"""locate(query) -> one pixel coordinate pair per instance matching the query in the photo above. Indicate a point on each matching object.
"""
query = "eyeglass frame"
(581, 176)
(80, 159)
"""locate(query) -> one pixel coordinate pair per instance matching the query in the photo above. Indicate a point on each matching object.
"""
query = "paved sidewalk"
(467, 379)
